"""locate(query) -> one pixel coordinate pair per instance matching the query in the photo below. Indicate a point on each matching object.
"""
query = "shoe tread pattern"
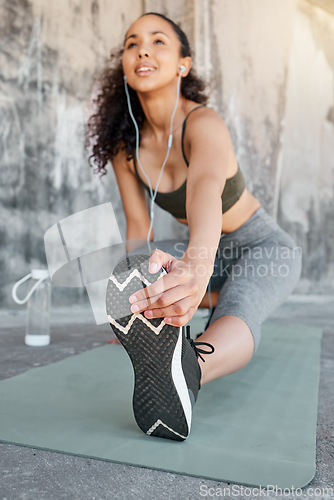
(155, 396)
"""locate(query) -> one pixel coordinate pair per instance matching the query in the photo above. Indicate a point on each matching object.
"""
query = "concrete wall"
(306, 189)
(270, 67)
(50, 55)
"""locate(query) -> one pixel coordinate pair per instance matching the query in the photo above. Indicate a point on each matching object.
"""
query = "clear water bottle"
(38, 307)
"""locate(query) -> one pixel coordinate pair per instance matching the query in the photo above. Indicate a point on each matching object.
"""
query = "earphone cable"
(170, 141)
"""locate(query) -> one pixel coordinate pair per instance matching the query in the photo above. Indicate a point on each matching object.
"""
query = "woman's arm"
(134, 202)
(210, 149)
(177, 295)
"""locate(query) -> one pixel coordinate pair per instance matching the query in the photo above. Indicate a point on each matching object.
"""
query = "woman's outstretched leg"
(234, 347)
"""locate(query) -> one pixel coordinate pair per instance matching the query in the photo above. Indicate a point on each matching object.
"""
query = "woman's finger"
(164, 283)
(160, 259)
(180, 320)
(166, 297)
(176, 308)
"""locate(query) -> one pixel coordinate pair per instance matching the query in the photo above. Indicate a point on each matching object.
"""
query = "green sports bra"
(174, 202)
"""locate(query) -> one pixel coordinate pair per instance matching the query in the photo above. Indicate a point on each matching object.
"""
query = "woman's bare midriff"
(237, 215)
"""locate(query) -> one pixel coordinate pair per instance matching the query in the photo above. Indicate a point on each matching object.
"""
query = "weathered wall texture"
(50, 52)
(306, 198)
(270, 67)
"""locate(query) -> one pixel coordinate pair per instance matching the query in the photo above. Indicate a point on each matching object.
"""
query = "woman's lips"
(144, 70)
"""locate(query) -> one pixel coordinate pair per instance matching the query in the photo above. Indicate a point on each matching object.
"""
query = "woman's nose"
(143, 53)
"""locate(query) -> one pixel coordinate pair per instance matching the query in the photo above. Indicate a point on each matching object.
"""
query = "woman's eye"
(159, 42)
(131, 45)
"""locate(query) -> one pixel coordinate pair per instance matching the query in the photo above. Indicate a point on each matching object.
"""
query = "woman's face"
(151, 57)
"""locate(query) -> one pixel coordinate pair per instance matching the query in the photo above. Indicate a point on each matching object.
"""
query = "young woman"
(250, 262)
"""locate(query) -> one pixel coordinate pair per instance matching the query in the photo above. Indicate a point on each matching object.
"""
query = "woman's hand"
(176, 295)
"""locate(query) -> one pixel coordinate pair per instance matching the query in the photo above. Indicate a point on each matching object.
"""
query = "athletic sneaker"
(164, 359)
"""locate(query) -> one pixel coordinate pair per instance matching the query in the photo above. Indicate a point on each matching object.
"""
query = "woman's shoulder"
(121, 161)
(204, 119)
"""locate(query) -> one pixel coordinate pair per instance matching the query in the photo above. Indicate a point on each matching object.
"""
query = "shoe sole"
(161, 401)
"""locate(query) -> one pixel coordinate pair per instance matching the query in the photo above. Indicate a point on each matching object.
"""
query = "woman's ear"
(185, 66)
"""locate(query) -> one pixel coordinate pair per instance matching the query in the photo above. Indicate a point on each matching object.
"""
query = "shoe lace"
(194, 344)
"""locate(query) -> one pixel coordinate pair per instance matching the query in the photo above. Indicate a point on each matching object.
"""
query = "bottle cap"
(37, 340)
(38, 274)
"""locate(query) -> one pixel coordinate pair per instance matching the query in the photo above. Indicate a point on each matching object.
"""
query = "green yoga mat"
(255, 427)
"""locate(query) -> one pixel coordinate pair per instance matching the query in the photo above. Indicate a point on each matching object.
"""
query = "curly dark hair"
(110, 129)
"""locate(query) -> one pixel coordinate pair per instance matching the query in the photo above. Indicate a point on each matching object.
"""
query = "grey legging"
(256, 268)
